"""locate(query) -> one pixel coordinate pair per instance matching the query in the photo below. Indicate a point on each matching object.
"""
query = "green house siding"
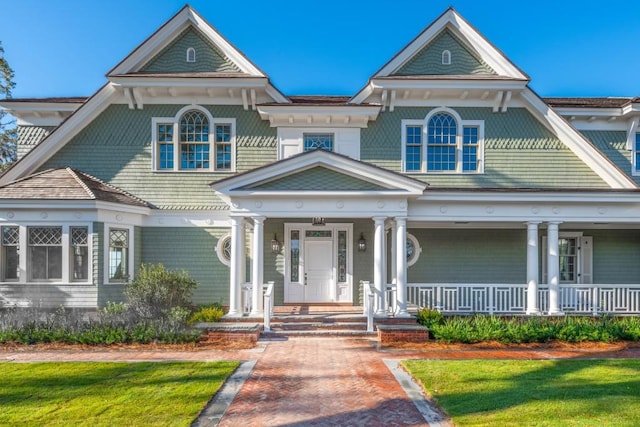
(29, 137)
(193, 250)
(173, 58)
(470, 256)
(116, 147)
(519, 152)
(613, 144)
(429, 60)
(615, 256)
(317, 178)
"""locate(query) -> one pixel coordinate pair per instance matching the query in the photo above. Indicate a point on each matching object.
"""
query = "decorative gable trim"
(577, 143)
(390, 182)
(455, 23)
(174, 27)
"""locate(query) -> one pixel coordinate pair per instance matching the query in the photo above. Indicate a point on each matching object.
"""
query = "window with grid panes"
(10, 253)
(79, 248)
(413, 159)
(470, 149)
(223, 147)
(441, 143)
(194, 141)
(118, 254)
(44, 253)
(165, 146)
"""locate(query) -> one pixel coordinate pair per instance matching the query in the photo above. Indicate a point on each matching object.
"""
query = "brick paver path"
(317, 381)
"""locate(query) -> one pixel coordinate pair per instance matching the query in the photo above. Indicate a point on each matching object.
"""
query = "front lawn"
(534, 392)
(108, 394)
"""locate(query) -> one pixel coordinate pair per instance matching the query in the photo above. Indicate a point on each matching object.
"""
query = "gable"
(317, 179)
(428, 61)
(172, 59)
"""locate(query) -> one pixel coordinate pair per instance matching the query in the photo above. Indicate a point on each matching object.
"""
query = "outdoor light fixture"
(275, 245)
(362, 243)
(318, 220)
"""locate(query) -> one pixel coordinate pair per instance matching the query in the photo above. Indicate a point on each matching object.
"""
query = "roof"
(67, 184)
(602, 102)
(58, 100)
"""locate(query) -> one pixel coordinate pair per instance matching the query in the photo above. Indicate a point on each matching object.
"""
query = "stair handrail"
(268, 306)
(370, 292)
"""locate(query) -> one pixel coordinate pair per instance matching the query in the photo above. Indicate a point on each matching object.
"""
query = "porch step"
(318, 326)
(275, 334)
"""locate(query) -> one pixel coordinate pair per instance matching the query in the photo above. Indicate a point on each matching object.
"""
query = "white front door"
(318, 270)
(318, 263)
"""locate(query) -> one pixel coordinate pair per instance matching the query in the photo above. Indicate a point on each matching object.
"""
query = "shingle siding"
(116, 147)
(30, 136)
(470, 256)
(613, 144)
(519, 152)
(173, 58)
(193, 250)
(428, 61)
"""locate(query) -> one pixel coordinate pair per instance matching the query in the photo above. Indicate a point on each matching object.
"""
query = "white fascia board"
(307, 193)
(561, 196)
(82, 205)
(56, 140)
(470, 84)
(577, 143)
(17, 107)
(363, 94)
(487, 52)
(165, 35)
(338, 113)
(320, 158)
(588, 112)
(204, 82)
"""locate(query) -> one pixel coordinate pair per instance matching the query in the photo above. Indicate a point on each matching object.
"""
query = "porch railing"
(512, 298)
(268, 306)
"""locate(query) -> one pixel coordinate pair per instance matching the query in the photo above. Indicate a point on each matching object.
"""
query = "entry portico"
(315, 197)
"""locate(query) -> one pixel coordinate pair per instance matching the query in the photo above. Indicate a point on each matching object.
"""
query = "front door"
(318, 263)
(318, 270)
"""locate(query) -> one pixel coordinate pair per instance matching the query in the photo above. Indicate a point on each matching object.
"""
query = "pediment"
(319, 171)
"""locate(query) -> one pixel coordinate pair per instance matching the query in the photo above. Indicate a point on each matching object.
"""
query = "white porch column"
(532, 268)
(378, 265)
(401, 266)
(553, 268)
(235, 267)
(257, 266)
(394, 251)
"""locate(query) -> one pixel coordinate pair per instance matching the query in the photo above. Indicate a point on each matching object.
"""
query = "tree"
(8, 130)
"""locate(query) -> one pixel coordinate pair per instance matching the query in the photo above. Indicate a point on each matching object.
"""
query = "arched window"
(441, 142)
(223, 249)
(446, 57)
(194, 140)
(191, 55)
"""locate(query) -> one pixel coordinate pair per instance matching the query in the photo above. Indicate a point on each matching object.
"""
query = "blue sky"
(331, 47)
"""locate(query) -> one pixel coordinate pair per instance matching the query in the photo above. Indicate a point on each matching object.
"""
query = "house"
(445, 182)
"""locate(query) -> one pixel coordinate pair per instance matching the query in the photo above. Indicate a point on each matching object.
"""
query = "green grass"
(108, 394)
(534, 392)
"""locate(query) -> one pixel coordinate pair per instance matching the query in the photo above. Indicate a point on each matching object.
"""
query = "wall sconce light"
(275, 245)
(362, 244)
(318, 221)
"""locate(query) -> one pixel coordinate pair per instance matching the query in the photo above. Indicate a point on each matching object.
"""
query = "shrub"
(207, 313)
(155, 291)
(429, 317)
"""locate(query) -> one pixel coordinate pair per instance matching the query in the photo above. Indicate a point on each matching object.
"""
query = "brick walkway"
(317, 381)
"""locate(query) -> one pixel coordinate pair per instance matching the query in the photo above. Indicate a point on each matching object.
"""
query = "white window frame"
(175, 122)
(446, 57)
(191, 50)
(460, 125)
(220, 249)
(131, 247)
(635, 168)
(417, 250)
(67, 268)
